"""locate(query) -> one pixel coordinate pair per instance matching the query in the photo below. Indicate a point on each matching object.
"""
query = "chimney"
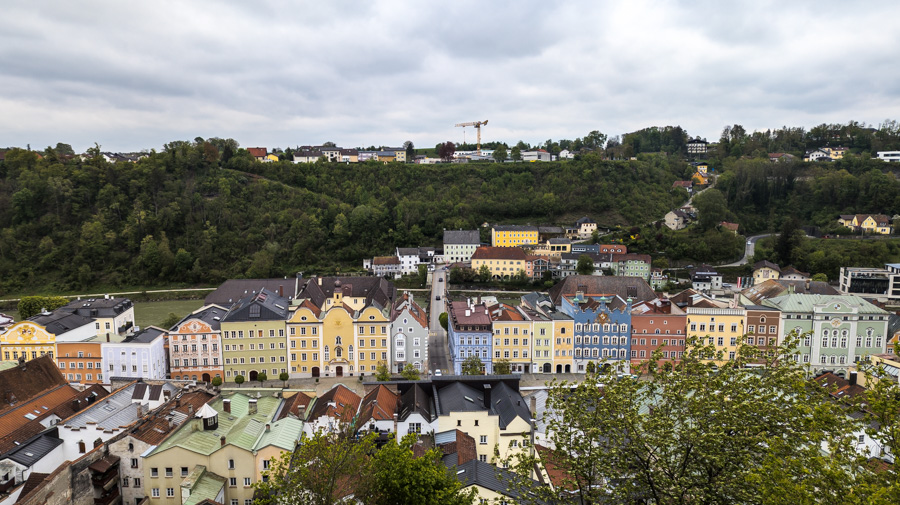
(190, 410)
(395, 423)
(107, 337)
(145, 409)
(320, 281)
(807, 285)
(268, 427)
(487, 396)
(222, 440)
(178, 402)
(468, 312)
(76, 405)
(533, 406)
(852, 378)
(226, 405)
(251, 406)
(281, 290)
(301, 412)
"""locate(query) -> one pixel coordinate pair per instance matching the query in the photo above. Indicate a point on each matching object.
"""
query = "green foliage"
(262, 377)
(394, 475)
(202, 211)
(171, 320)
(32, 305)
(443, 319)
(472, 366)
(585, 265)
(382, 372)
(283, 377)
(591, 367)
(500, 154)
(690, 434)
(239, 379)
(711, 207)
(410, 373)
(484, 274)
(216, 381)
(323, 465)
(820, 277)
(516, 153)
(502, 367)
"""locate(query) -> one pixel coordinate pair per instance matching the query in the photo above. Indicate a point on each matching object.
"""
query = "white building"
(141, 355)
(889, 156)
(460, 245)
(537, 155)
(409, 334)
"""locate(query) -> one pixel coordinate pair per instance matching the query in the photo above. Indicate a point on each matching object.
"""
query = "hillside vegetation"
(198, 212)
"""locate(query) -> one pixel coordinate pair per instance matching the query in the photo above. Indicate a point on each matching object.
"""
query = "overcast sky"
(134, 75)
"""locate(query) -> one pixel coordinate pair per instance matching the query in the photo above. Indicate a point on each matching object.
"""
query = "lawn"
(154, 313)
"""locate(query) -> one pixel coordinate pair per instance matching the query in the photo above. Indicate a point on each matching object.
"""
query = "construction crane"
(477, 125)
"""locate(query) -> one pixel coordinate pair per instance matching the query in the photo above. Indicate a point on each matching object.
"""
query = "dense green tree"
(32, 305)
(500, 154)
(262, 377)
(472, 366)
(712, 208)
(216, 381)
(171, 320)
(283, 377)
(585, 265)
(515, 153)
(484, 273)
(382, 372)
(239, 379)
(692, 434)
(410, 149)
(502, 367)
(409, 372)
(443, 319)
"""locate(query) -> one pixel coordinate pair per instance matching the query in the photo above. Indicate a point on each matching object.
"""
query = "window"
(137, 482)
(124, 481)
(170, 492)
(134, 462)
(232, 481)
(168, 472)
(231, 464)
(482, 440)
(154, 492)
(246, 481)
(154, 472)
(184, 471)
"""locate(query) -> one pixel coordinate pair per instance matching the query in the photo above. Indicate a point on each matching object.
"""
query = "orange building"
(80, 361)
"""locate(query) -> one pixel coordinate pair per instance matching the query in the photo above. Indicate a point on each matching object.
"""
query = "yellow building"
(554, 248)
(340, 326)
(542, 341)
(721, 327)
(38, 335)
(867, 223)
(503, 262)
(512, 337)
(253, 337)
(765, 270)
(513, 235)
(234, 438)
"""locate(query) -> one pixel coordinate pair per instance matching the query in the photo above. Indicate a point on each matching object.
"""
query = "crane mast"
(477, 125)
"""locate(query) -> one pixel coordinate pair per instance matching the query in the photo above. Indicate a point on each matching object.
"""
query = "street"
(438, 348)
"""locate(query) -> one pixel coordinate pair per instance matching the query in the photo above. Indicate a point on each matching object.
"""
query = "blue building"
(602, 329)
(470, 334)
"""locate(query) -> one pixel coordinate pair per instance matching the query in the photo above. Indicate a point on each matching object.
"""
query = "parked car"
(440, 279)
(437, 298)
(437, 373)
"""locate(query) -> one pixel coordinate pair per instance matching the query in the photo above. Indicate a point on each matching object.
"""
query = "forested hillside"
(200, 211)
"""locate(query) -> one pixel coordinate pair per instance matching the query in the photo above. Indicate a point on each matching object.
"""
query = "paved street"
(438, 349)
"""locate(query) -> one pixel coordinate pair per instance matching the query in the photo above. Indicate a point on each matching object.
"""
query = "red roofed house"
(258, 152)
(503, 262)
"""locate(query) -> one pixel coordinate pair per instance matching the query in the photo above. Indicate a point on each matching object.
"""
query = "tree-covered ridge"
(205, 211)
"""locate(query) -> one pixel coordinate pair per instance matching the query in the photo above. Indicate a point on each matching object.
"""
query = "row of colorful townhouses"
(327, 327)
(620, 321)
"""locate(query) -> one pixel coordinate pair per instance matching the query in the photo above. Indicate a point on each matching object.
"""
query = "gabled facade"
(722, 328)
(602, 330)
(469, 334)
(460, 245)
(512, 337)
(867, 223)
(195, 345)
(253, 336)
(765, 270)
(409, 334)
(657, 325)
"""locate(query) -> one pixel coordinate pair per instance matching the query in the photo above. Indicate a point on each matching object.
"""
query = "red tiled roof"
(15, 427)
(730, 226)
(558, 477)
(257, 152)
(346, 404)
(155, 429)
(498, 253)
(385, 260)
(294, 404)
(839, 387)
(24, 382)
(415, 311)
(380, 404)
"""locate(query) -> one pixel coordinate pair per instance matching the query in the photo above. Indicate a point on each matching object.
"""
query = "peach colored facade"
(80, 361)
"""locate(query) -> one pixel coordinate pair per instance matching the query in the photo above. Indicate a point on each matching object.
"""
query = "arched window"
(825, 333)
(338, 352)
(337, 340)
(762, 320)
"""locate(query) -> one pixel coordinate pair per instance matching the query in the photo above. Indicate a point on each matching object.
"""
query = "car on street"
(437, 298)
(440, 279)
(437, 373)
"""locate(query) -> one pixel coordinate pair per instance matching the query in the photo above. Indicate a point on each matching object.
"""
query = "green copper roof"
(208, 486)
(806, 303)
(240, 428)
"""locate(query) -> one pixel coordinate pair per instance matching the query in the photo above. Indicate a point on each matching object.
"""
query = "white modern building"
(141, 355)
(889, 156)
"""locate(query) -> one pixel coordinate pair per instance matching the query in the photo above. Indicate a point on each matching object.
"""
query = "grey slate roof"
(486, 475)
(145, 336)
(33, 450)
(97, 307)
(515, 227)
(635, 288)
(374, 289)
(408, 251)
(464, 237)
(417, 399)
(58, 322)
(210, 314)
(262, 306)
(117, 409)
(508, 404)
(458, 397)
(233, 290)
